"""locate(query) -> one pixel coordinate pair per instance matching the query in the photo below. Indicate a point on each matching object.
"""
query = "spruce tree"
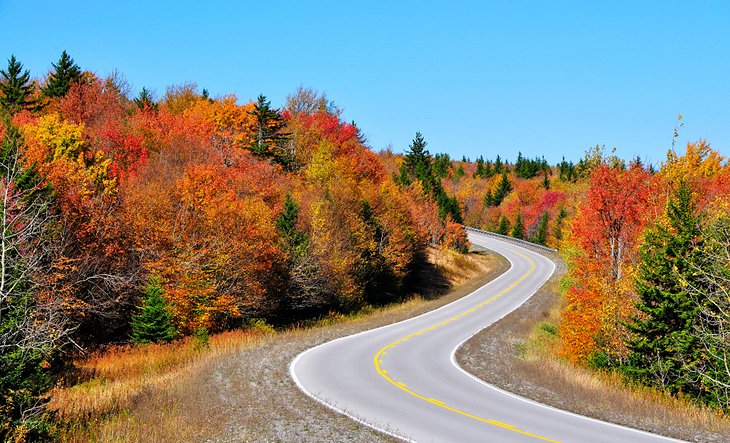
(518, 230)
(153, 321)
(295, 240)
(145, 100)
(270, 135)
(503, 227)
(65, 73)
(16, 88)
(542, 229)
(663, 349)
(504, 187)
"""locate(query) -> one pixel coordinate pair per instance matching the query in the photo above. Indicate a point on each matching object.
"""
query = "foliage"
(153, 321)
(32, 328)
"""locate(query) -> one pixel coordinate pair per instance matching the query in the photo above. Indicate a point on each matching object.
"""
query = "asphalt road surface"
(402, 379)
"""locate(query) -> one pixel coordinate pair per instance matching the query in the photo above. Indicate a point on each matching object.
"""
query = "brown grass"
(154, 393)
(596, 392)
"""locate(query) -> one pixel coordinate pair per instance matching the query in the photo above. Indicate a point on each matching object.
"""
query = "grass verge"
(238, 388)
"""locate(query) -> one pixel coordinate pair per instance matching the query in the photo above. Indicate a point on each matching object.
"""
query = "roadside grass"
(153, 392)
(597, 390)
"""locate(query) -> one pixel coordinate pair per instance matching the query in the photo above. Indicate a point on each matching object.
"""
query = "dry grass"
(597, 393)
(182, 392)
(121, 377)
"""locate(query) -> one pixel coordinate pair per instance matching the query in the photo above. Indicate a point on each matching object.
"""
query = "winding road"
(402, 379)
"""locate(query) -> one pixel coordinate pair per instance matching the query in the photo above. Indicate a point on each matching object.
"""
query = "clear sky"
(476, 78)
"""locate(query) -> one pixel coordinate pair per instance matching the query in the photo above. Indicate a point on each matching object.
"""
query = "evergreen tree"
(489, 198)
(145, 100)
(270, 135)
(65, 73)
(16, 88)
(503, 227)
(558, 228)
(504, 187)
(518, 230)
(295, 240)
(418, 165)
(546, 181)
(153, 321)
(459, 172)
(441, 165)
(542, 229)
(498, 166)
(663, 349)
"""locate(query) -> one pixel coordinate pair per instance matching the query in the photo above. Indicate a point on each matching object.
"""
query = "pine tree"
(498, 166)
(518, 230)
(417, 162)
(16, 88)
(546, 181)
(504, 187)
(558, 227)
(295, 240)
(145, 100)
(489, 198)
(65, 73)
(153, 322)
(503, 227)
(270, 135)
(663, 350)
(542, 229)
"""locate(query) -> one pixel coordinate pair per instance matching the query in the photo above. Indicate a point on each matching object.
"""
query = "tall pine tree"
(16, 88)
(64, 74)
(663, 349)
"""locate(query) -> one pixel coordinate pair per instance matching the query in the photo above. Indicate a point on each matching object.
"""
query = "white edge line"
(453, 360)
(301, 387)
(533, 402)
(335, 408)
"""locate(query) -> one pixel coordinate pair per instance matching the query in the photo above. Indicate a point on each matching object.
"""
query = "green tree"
(663, 350)
(64, 74)
(270, 135)
(558, 227)
(153, 321)
(542, 229)
(518, 230)
(295, 240)
(145, 100)
(418, 165)
(16, 88)
(503, 227)
(504, 187)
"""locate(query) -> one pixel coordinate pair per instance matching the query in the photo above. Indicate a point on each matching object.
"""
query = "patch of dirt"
(494, 355)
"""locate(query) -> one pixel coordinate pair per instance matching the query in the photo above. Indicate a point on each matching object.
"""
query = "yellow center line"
(400, 385)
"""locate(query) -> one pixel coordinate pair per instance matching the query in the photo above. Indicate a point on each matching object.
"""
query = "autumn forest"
(134, 219)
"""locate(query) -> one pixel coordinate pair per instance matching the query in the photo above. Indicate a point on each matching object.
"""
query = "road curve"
(402, 379)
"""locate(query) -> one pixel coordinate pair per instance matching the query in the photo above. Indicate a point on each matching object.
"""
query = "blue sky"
(476, 78)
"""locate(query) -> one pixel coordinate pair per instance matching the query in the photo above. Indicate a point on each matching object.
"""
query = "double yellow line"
(378, 359)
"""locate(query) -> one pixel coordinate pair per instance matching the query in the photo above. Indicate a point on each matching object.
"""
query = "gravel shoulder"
(249, 396)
